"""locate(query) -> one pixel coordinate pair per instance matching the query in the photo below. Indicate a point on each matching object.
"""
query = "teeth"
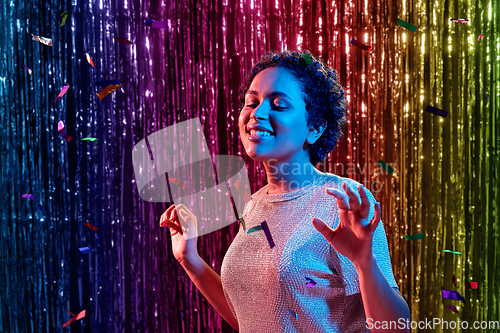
(261, 133)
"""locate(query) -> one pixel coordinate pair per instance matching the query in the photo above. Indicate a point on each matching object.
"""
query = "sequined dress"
(266, 288)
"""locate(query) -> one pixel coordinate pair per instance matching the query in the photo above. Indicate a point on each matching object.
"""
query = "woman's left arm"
(353, 238)
(383, 305)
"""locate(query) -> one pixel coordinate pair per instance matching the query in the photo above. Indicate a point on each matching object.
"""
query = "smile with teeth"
(260, 133)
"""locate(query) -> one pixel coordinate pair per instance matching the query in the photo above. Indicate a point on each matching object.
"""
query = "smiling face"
(274, 104)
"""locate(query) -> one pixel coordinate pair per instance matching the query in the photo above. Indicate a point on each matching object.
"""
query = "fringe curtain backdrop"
(445, 182)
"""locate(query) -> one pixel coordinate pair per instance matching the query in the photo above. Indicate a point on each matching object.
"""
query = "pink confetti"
(480, 37)
(27, 69)
(452, 307)
(471, 285)
(60, 126)
(310, 282)
(246, 196)
(459, 20)
(74, 318)
(61, 94)
(29, 196)
(60, 129)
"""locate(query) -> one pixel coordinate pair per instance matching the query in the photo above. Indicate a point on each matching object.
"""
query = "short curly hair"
(324, 96)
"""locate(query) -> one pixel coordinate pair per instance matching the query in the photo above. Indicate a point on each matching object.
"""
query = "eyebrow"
(274, 93)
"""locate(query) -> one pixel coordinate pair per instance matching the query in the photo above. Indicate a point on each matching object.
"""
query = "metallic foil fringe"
(445, 182)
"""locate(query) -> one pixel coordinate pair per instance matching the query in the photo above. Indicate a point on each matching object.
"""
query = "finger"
(344, 217)
(164, 218)
(342, 198)
(169, 211)
(364, 210)
(376, 217)
(325, 230)
(174, 227)
(354, 200)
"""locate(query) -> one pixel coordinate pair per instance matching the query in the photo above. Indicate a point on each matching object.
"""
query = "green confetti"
(89, 139)
(242, 221)
(64, 17)
(415, 236)
(385, 166)
(259, 227)
(307, 58)
(406, 25)
(455, 252)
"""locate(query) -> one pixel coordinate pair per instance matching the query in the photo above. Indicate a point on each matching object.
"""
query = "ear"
(316, 131)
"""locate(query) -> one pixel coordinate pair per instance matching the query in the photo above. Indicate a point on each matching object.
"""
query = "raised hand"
(353, 236)
(182, 225)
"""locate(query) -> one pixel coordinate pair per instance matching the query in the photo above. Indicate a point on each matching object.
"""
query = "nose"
(260, 112)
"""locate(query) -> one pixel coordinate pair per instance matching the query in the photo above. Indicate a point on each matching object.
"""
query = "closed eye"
(253, 105)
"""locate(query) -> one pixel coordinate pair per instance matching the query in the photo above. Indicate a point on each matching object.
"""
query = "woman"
(320, 262)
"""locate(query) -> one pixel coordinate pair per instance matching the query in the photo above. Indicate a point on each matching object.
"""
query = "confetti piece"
(259, 227)
(385, 166)
(61, 94)
(455, 252)
(60, 168)
(29, 196)
(484, 92)
(293, 314)
(106, 91)
(436, 111)
(480, 37)
(471, 285)
(450, 294)
(459, 20)
(64, 16)
(122, 40)
(107, 83)
(360, 45)
(60, 129)
(246, 196)
(60, 126)
(268, 234)
(406, 25)
(454, 279)
(310, 282)
(177, 182)
(89, 60)
(242, 221)
(85, 249)
(71, 313)
(91, 226)
(75, 318)
(307, 58)
(27, 69)
(156, 24)
(39, 207)
(88, 139)
(43, 40)
(452, 307)
(415, 236)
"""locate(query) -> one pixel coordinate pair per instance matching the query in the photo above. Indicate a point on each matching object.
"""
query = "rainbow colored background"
(445, 182)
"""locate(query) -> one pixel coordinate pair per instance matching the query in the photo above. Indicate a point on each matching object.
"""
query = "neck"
(284, 177)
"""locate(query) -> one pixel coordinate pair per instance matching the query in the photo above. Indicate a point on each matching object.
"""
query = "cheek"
(243, 119)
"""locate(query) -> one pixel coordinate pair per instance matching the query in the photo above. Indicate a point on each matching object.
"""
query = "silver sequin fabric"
(266, 288)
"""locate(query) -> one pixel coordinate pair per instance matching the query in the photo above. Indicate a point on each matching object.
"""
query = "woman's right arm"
(209, 284)
(185, 251)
